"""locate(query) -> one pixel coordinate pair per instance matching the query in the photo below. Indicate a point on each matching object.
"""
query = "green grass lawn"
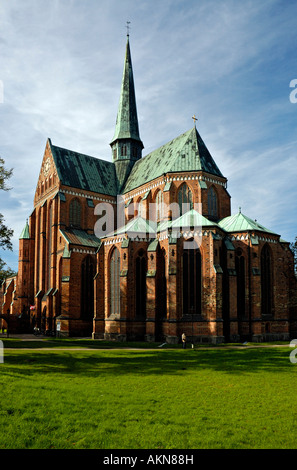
(146, 399)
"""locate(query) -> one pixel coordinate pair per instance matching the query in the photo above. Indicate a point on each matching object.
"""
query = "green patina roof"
(127, 121)
(192, 218)
(84, 172)
(80, 237)
(241, 223)
(136, 226)
(25, 232)
(184, 153)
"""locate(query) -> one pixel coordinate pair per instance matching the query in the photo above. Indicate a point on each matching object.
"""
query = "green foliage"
(148, 399)
(5, 271)
(4, 175)
(5, 233)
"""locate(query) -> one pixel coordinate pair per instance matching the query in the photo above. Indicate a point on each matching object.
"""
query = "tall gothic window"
(212, 203)
(75, 213)
(114, 282)
(87, 288)
(140, 273)
(192, 281)
(185, 199)
(159, 206)
(240, 271)
(50, 223)
(124, 150)
(266, 291)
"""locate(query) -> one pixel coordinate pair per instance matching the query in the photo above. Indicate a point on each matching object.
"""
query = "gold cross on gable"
(194, 119)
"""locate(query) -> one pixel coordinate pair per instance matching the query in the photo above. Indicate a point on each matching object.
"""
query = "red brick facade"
(236, 282)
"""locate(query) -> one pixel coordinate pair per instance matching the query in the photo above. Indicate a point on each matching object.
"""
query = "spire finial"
(194, 119)
(128, 28)
(239, 210)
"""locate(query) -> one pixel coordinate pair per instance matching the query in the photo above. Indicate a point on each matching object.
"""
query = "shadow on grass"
(162, 362)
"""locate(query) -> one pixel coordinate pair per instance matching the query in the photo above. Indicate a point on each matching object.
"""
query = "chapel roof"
(186, 152)
(241, 223)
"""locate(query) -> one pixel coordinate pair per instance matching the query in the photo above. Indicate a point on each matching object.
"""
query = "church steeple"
(126, 143)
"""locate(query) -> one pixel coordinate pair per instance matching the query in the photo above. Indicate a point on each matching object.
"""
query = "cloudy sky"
(229, 62)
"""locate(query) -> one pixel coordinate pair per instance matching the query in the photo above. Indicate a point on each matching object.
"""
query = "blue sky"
(228, 62)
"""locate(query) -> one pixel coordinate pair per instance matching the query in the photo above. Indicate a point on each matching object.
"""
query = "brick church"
(146, 248)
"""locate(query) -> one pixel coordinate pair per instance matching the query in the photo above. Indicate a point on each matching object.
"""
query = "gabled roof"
(84, 172)
(241, 223)
(192, 218)
(136, 226)
(80, 237)
(184, 153)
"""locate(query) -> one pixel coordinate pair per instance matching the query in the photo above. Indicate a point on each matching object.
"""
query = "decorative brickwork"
(145, 248)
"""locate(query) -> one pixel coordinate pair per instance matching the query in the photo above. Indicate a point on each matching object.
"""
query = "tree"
(5, 271)
(293, 247)
(5, 232)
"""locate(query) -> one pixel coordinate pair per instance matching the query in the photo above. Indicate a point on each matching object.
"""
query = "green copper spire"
(127, 121)
(25, 232)
(126, 144)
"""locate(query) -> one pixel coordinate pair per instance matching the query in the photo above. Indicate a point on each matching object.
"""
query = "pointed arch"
(192, 281)
(114, 282)
(140, 283)
(184, 198)
(212, 201)
(266, 280)
(87, 288)
(75, 213)
(159, 202)
(241, 279)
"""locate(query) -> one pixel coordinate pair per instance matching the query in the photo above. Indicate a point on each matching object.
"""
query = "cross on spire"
(194, 119)
(128, 27)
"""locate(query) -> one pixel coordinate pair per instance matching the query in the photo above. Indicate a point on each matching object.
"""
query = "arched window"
(161, 287)
(266, 291)
(140, 273)
(50, 223)
(192, 281)
(185, 199)
(75, 213)
(240, 271)
(114, 282)
(124, 151)
(142, 208)
(87, 288)
(212, 203)
(159, 206)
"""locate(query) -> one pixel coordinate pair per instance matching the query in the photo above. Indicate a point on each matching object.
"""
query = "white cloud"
(228, 62)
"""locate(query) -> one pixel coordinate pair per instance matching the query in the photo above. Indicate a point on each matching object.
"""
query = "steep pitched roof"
(184, 153)
(25, 232)
(84, 172)
(241, 223)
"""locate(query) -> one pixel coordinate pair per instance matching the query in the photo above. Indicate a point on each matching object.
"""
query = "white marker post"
(1, 352)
